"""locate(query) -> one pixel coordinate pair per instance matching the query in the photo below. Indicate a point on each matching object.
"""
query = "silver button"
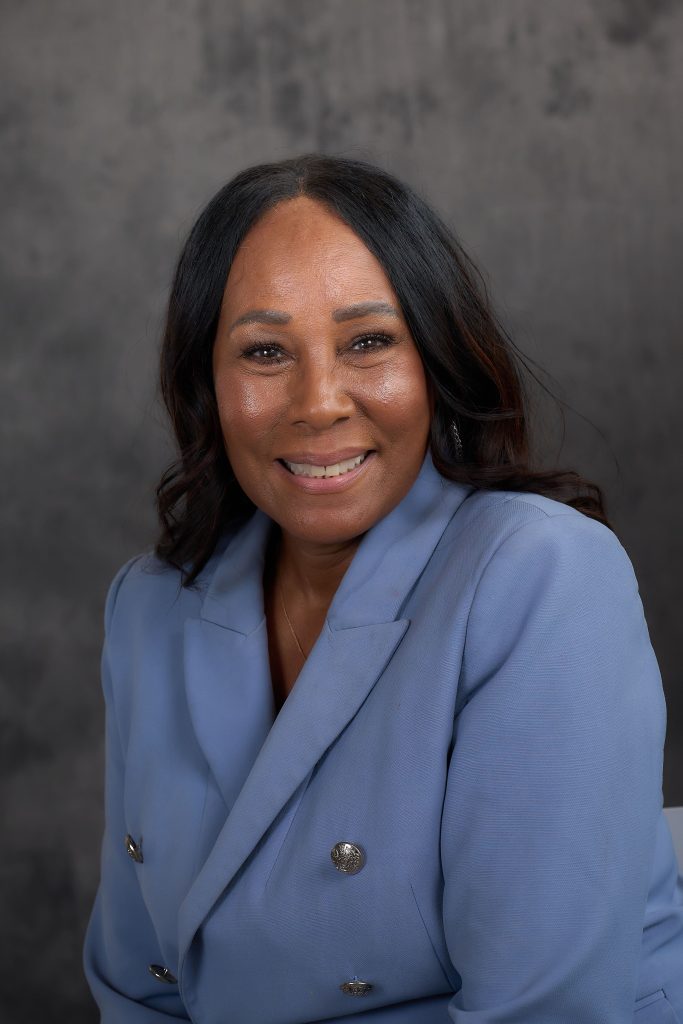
(133, 849)
(355, 987)
(162, 974)
(347, 857)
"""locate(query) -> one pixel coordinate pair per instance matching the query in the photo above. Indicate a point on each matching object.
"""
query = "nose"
(321, 392)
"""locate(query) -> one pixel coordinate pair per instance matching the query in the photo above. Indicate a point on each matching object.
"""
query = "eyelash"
(386, 339)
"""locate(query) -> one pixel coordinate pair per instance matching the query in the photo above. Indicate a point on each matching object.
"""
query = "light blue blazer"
(482, 715)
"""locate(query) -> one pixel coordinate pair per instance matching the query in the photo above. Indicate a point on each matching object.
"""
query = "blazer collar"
(257, 759)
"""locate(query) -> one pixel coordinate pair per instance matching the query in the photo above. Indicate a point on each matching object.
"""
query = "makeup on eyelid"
(386, 339)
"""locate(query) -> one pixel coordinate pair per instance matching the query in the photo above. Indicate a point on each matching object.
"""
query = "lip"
(325, 458)
(320, 485)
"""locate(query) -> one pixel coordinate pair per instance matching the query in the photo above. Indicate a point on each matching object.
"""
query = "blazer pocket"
(655, 1008)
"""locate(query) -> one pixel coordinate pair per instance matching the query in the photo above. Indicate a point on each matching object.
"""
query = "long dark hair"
(471, 364)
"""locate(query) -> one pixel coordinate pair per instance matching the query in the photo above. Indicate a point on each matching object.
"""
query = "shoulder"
(517, 529)
(547, 576)
(141, 579)
(529, 563)
(146, 589)
(556, 630)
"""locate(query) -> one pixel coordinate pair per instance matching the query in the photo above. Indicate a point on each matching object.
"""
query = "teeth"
(305, 469)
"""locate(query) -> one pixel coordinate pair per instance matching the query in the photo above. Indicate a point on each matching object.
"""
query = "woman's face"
(313, 358)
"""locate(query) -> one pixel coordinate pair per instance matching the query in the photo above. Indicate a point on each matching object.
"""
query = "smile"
(326, 479)
(306, 469)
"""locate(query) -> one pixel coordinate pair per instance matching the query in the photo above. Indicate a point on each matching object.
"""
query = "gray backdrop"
(548, 134)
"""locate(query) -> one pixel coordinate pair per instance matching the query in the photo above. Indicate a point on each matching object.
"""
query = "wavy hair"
(472, 366)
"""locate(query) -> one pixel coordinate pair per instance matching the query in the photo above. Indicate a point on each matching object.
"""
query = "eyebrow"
(357, 310)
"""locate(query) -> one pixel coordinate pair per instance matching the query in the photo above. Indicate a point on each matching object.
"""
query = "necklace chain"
(282, 598)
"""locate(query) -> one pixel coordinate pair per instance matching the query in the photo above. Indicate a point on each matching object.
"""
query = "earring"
(457, 440)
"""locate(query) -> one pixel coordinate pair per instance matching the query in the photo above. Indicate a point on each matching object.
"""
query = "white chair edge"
(675, 818)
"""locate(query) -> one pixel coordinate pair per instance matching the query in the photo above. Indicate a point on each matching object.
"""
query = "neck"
(310, 571)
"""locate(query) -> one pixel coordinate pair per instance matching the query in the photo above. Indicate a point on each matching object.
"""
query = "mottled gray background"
(549, 135)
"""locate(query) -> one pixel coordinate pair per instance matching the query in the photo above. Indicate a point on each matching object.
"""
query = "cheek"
(402, 394)
(243, 403)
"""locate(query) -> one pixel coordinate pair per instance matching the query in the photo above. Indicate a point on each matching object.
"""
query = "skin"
(313, 384)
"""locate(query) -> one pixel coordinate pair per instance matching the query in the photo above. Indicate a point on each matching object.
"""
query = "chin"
(330, 528)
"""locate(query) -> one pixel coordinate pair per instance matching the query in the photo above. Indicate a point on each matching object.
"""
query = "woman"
(384, 724)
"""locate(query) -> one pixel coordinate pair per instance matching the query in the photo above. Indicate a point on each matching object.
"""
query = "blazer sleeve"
(120, 941)
(554, 782)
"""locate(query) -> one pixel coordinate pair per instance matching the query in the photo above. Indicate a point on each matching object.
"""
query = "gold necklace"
(282, 598)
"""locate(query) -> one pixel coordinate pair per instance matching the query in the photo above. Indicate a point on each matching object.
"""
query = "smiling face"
(313, 356)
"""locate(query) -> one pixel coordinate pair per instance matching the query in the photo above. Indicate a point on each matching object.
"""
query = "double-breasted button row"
(162, 974)
(347, 857)
(355, 987)
(134, 849)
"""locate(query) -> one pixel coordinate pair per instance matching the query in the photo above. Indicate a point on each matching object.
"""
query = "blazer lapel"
(230, 698)
(227, 672)
(259, 763)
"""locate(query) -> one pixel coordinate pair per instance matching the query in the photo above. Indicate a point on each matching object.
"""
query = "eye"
(385, 340)
(271, 353)
(250, 352)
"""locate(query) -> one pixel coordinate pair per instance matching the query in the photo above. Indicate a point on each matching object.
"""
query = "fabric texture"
(482, 715)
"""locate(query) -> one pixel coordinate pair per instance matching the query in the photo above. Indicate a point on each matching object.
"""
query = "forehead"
(299, 248)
